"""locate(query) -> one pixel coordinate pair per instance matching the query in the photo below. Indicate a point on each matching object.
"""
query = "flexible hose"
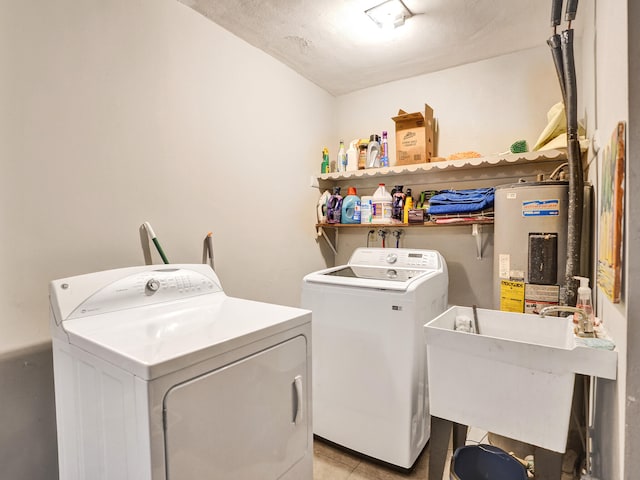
(576, 181)
(556, 13)
(556, 52)
(563, 58)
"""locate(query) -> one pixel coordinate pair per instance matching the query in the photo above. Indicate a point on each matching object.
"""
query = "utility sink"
(515, 377)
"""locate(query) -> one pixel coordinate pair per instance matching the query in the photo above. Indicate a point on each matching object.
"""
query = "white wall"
(605, 86)
(483, 106)
(115, 113)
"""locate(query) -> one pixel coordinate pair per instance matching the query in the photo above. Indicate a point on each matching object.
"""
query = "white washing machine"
(370, 390)
(161, 376)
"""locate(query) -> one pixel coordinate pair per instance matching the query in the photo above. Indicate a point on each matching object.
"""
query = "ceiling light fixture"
(389, 14)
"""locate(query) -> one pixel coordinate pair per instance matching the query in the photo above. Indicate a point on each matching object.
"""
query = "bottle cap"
(584, 284)
(352, 191)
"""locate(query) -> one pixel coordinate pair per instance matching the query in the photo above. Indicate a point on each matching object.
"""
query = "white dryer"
(161, 376)
(370, 390)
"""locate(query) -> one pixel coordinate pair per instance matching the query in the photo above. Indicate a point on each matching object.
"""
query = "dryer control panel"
(153, 285)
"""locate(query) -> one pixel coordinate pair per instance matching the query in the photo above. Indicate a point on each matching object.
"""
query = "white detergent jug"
(321, 211)
(381, 201)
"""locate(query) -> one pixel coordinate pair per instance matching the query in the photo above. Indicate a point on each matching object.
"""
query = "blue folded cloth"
(460, 201)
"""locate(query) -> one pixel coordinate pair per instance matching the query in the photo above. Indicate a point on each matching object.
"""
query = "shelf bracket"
(322, 233)
(476, 231)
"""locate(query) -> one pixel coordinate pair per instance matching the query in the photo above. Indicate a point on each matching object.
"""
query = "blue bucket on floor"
(485, 462)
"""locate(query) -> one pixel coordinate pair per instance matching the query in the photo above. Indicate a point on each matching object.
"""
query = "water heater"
(530, 244)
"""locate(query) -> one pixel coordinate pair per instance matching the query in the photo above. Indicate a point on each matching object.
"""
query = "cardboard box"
(414, 136)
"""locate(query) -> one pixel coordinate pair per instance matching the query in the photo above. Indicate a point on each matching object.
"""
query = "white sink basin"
(514, 378)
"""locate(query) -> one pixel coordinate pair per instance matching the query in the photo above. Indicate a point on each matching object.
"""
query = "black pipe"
(572, 9)
(576, 181)
(556, 13)
(556, 52)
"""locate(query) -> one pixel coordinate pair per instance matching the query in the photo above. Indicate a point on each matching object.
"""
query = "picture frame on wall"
(612, 215)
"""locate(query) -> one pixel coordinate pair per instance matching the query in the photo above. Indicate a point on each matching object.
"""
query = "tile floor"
(331, 463)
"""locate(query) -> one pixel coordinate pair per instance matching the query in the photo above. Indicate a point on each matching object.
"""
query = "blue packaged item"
(351, 207)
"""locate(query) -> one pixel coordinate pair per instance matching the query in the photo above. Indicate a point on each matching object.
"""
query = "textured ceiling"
(336, 46)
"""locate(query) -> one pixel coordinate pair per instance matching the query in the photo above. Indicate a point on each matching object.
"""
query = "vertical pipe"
(576, 182)
(556, 52)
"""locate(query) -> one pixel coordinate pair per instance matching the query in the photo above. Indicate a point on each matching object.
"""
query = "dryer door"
(245, 421)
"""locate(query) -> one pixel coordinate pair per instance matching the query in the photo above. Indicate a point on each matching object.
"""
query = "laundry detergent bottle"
(321, 211)
(334, 206)
(381, 201)
(397, 208)
(373, 152)
(408, 205)
(366, 209)
(351, 207)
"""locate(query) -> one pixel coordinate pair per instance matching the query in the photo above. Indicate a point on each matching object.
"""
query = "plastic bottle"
(352, 156)
(384, 160)
(408, 205)
(381, 205)
(341, 162)
(324, 167)
(397, 207)
(363, 144)
(322, 207)
(584, 300)
(366, 209)
(351, 207)
(334, 206)
(373, 152)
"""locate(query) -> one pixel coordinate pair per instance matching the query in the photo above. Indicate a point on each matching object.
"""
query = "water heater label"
(541, 208)
(511, 296)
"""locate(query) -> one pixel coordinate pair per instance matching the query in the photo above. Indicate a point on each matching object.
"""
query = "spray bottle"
(584, 301)
(324, 167)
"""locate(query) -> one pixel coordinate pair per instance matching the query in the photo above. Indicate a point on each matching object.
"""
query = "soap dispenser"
(584, 301)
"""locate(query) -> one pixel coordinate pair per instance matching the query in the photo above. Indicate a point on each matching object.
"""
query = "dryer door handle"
(299, 404)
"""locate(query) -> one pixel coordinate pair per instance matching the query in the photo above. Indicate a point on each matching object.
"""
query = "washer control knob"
(152, 287)
(392, 258)
(392, 273)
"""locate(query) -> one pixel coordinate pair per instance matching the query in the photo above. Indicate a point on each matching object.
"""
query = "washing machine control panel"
(146, 288)
(397, 257)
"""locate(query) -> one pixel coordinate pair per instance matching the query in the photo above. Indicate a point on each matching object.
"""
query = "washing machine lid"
(382, 268)
(150, 339)
(370, 277)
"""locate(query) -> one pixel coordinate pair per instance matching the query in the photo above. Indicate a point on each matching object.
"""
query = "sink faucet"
(585, 325)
